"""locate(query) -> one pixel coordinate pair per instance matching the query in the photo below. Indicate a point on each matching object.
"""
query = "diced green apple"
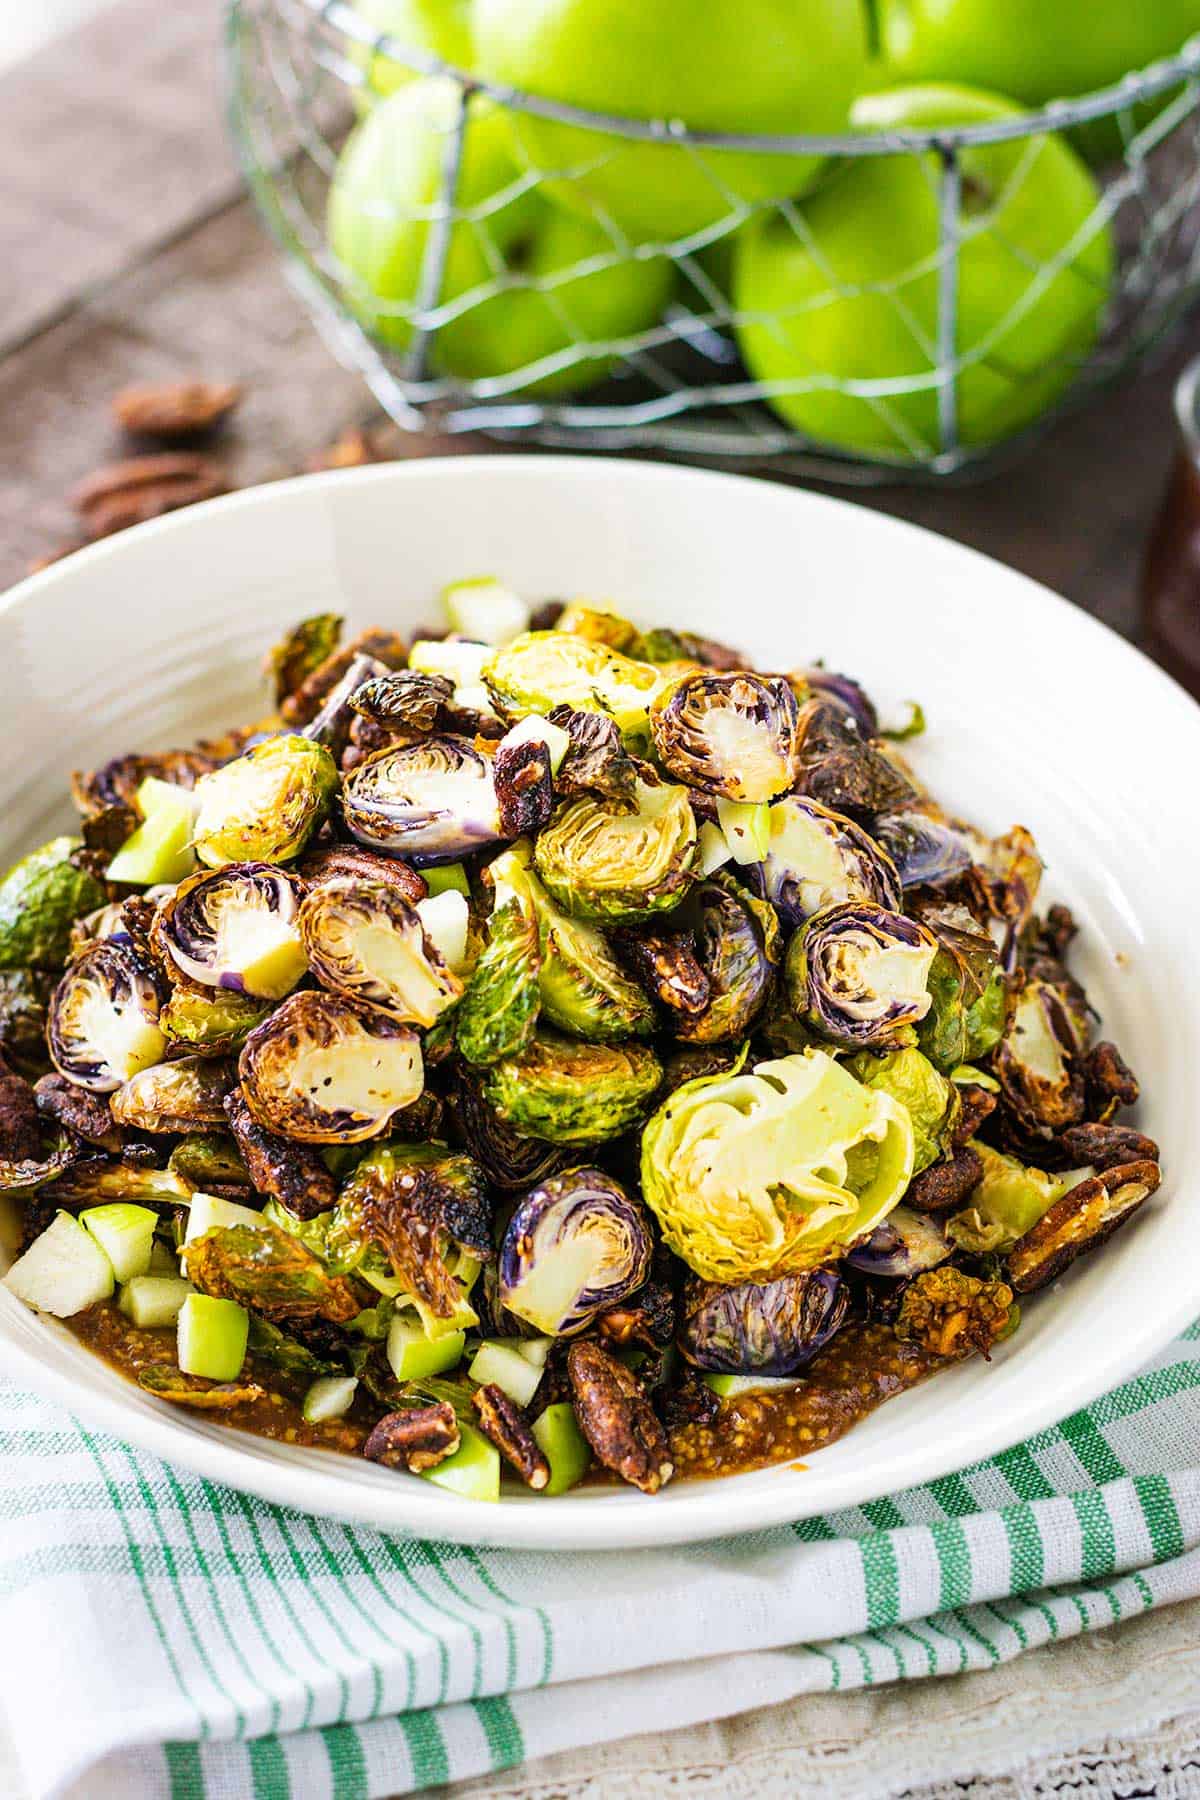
(160, 849)
(746, 827)
(714, 848)
(485, 610)
(557, 1435)
(533, 729)
(498, 1364)
(535, 1350)
(63, 1272)
(414, 1355)
(209, 1211)
(445, 918)
(728, 1387)
(151, 1301)
(212, 1337)
(473, 1470)
(447, 878)
(125, 1233)
(329, 1397)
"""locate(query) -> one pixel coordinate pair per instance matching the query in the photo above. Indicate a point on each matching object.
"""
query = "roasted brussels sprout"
(574, 1246)
(762, 1328)
(768, 1172)
(412, 1203)
(859, 975)
(662, 645)
(1007, 1201)
(40, 898)
(103, 1024)
(967, 990)
(23, 997)
(330, 724)
(597, 761)
(597, 626)
(365, 940)
(739, 944)
(499, 1009)
(733, 735)
(602, 863)
(270, 1272)
(845, 771)
(844, 696)
(1038, 1062)
(305, 702)
(817, 858)
(404, 699)
(234, 928)
(543, 669)
(303, 649)
(329, 1070)
(905, 1244)
(211, 1021)
(926, 852)
(931, 1101)
(512, 1163)
(185, 1095)
(582, 986)
(264, 806)
(572, 1093)
(433, 800)
(96, 1179)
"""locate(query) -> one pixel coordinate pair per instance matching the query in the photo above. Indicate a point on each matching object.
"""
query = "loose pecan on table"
(144, 487)
(175, 410)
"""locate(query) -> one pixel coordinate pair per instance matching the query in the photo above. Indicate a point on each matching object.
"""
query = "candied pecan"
(502, 1421)
(1108, 1080)
(647, 1317)
(175, 410)
(617, 1419)
(144, 487)
(666, 964)
(1082, 1219)
(352, 450)
(944, 1186)
(350, 862)
(418, 1437)
(293, 1173)
(953, 1314)
(1056, 932)
(107, 829)
(688, 1401)
(1101, 1146)
(84, 1113)
(20, 1128)
(304, 704)
(597, 762)
(521, 776)
(546, 616)
(976, 1105)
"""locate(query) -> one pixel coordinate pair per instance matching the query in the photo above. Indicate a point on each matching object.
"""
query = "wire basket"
(677, 384)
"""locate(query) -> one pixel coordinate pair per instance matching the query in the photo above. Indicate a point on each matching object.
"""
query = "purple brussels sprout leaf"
(575, 1246)
(845, 696)
(926, 852)
(817, 858)
(904, 1244)
(762, 1328)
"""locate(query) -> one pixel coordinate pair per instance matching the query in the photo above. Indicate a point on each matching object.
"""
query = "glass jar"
(1170, 589)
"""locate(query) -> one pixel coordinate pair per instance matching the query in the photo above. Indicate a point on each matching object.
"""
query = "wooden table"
(128, 252)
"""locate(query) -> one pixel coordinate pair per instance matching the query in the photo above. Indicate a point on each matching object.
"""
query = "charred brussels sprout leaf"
(211, 1021)
(931, 1101)
(364, 939)
(185, 1095)
(413, 1202)
(769, 1172)
(234, 929)
(843, 770)
(905, 1244)
(404, 699)
(597, 626)
(597, 762)
(762, 1328)
(40, 898)
(511, 1162)
(23, 997)
(287, 1354)
(543, 669)
(859, 975)
(328, 1070)
(499, 1010)
(306, 646)
(265, 805)
(434, 800)
(170, 1383)
(294, 1174)
(966, 989)
(817, 858)
(732, 735)
(573, 1247)
(268, 1272)
(738, 940)
(1038, 1060)
(602, 863)
(926, 852)
(210, 1162)
(572, 1093)
(103, 1021)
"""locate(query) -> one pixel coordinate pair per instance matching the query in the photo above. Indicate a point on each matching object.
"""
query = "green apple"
(440, 27)
(1035, 50)
(765, 66)
(523, 281)
(853, 297)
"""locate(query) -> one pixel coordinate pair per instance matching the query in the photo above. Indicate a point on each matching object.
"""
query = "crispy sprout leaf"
(268, 1272)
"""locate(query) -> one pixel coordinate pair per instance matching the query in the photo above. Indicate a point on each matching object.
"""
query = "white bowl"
(1037, 714)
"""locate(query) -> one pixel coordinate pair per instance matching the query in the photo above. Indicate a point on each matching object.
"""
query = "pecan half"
(521, 774)
(1106, 1146)
(349, 862)
(175, 410)
(944, 1186)
(1109, 1081)
(144, 487)
(976, 1105)
(84, 1113)
(1083, 1219)
(502, 1421)
(293, 1173)
(666, 964)
(417, 1438)
(617, 1419)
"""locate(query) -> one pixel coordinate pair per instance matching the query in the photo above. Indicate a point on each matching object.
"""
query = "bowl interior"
(1036, 715)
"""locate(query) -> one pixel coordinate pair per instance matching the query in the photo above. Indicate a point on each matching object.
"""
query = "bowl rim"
(696, 1511)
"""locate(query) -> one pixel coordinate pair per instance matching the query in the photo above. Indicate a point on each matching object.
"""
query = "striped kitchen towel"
(165, 1637)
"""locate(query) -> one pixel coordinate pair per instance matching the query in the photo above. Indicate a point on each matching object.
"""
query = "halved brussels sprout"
(765, 1173)
(1037, 1062)
(844, 695)
(329, 1070)
(434, 800)
(602, 863)
(926, 851)
(264, 806)
(1008, 1201)
(403, 699)
(365, 940)
(500, 1007)
(817, 858)
(234, 928)
(762, 1328)
(542, 669)
(40, 898)
(739, 944)
(572, 1093)
(511, 1162)
(300, 651)
(102, 1025)
(733, 735)
(412, 1203)
(211, 1021)
(574, 1246)
(931, 1101)
(597, 626)
(966, 987)
(859, 975)
(330, 724)
(839, 767)
(184, 1095)
(583, 988)
(905, 1244)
